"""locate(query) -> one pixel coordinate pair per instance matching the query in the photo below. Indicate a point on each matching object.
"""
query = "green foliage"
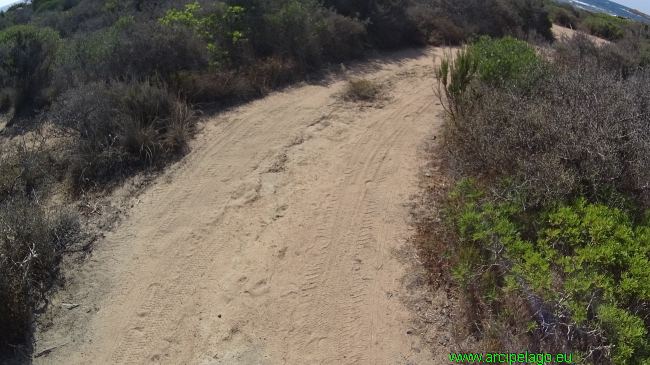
(129, 50)
(222, 28)
(504, 61)
(589, 261)
(27, 54)
(563, 14)
(605, 26)
(298, 25)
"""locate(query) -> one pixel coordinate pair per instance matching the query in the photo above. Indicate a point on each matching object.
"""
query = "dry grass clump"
(119, 128)
(32, 238)
(362, 90)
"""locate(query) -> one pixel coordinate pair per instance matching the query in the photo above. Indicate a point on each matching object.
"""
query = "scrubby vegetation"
(549, 218)
(32, 238)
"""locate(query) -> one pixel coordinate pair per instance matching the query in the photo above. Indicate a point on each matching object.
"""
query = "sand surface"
(272, 242)
(563, 32)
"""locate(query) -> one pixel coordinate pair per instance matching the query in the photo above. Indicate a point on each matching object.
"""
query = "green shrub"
(27, 54)
(296, 28)
(588, 263)
(342, 38)
(605, 26)
(221, 26)
(564, 14)
(504, 61)
(129, 50)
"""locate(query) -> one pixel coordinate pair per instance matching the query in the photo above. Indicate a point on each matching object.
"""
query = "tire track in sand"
(224, 262)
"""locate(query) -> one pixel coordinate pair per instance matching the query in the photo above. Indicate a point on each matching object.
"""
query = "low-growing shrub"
(582, 269)
(31, 238)
(580, 50)
(25, 171)
(505, 61)
(31, 242)
(362, 90)
(443, 31)
(120, 128)
(223, 87)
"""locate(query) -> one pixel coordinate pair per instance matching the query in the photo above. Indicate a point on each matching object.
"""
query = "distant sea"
(4, 5)
(609, 7)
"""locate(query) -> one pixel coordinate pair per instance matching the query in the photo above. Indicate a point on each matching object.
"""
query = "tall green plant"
(453, 78)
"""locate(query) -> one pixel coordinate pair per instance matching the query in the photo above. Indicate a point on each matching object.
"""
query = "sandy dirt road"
(271, 243)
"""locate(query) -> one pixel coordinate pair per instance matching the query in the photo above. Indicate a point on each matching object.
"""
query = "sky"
(7, 2)
(643, 5)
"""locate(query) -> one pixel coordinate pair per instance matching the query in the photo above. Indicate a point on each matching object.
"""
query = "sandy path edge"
(271, 243)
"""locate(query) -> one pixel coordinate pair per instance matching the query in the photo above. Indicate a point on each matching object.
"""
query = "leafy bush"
(129, 50)
(296, 27)
(27, 54)
(220, 26)
(343, 38)
(605, 26)
(564, 14)
(120, 128)
(504, 61)
(583, 269)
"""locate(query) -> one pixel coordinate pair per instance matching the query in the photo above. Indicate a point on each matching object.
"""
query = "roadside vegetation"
(93, 92)
(546, 229)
